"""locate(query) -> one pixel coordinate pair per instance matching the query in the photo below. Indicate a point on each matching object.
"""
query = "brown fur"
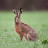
(24, 30)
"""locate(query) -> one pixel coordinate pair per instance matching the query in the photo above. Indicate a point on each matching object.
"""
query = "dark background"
(25, 4)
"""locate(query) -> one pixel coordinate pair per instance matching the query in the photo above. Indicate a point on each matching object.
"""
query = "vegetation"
(38, 20)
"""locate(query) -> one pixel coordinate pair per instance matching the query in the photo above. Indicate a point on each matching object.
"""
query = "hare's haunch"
(24, 29)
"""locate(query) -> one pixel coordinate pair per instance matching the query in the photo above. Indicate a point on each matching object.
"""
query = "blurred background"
(35, 14)
(25, 4)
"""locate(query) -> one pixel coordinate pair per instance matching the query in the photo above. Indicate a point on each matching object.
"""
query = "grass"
(36, 19)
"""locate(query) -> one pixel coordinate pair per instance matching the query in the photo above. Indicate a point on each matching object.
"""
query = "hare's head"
(17, 18)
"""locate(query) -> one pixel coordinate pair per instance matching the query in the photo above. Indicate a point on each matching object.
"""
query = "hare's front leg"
(21, 38)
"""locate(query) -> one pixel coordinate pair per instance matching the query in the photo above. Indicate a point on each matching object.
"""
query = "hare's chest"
(17, 28)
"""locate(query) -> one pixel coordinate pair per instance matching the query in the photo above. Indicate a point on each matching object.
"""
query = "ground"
(38, 20)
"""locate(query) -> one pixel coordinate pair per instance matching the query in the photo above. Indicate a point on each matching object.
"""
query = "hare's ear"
(15, 12)
(20, 12)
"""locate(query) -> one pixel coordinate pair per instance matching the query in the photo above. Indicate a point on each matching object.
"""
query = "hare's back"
(27, 27)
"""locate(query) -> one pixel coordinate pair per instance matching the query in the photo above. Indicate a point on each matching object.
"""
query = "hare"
(24, 29)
